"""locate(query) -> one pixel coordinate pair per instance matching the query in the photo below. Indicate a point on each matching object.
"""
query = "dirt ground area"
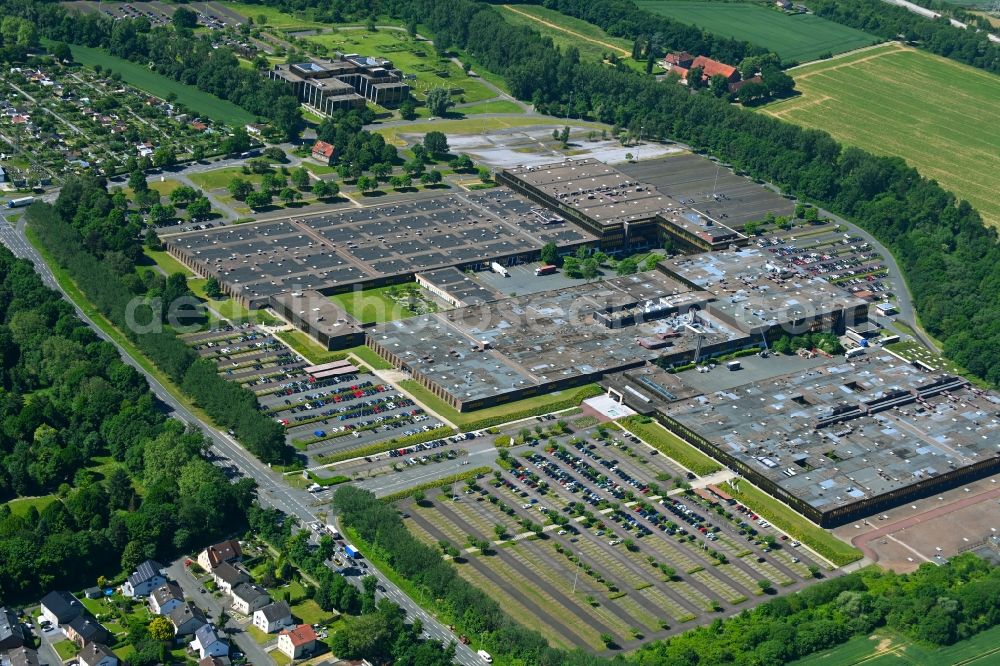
(931, 529)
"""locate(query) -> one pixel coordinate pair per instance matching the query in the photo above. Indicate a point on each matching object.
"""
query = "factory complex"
(834, 437)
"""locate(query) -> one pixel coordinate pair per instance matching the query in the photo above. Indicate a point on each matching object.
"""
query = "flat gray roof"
(539, 339)
(332, 251)
(825, 435)
(318, 312)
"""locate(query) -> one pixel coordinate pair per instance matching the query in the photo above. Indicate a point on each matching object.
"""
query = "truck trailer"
(20, 202)
(352, 552)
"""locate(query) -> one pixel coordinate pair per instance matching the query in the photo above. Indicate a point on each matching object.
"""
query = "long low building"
(849, 438)
(621, 211)
(361, 248)
(317, 316)
(509, 349)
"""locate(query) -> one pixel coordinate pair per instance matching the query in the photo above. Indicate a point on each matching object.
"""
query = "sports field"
(937, 114)
(798, 38)
(140, 76)
(888, 649)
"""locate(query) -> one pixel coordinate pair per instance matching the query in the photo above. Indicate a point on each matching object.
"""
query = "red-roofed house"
(297, 641)
(683, 62)
(324, 152)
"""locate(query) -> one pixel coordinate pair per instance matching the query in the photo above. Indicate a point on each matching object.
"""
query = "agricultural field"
(890, 649)
(937, 114)
(795, 38)
(412, 56)
(565, 31)
(577, 538)
(199, 102)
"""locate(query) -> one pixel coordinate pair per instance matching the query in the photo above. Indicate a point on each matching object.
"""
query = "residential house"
(783, 4)
(166, 598)
(23, 656)
(187, 619)
(146, 578)
(298, 641)
(60, 607)
(11, 632)
(273, 617)
(3, 175)
(227, 576)
(254, 129)
(84, 629)
(682, 62)
(324, 152)
(213, 556)
(208, 644)
(199, 126)
(214, 661)
(249, 598)
(97, 654)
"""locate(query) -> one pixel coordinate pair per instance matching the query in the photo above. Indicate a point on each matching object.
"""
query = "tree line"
(173, 51)
(81, 430)
(971, 46)
(100, 258)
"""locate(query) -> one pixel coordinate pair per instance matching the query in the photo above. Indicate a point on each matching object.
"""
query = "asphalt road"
(272, 491)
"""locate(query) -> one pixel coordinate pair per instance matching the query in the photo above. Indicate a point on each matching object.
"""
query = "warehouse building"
(505, 350)
(317, 316)
(847, 439)
(361, 248)
(623, 212)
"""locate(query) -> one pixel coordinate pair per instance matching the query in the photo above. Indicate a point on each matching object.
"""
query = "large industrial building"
(622, 212)
(849, 438)
(360, 248)
(499, 351)
(344, 82)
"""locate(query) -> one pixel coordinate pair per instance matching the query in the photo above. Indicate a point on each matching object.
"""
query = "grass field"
(411, 56)
(792, 522)
(937, 114)
(22, 505)
(565, 31)
(890, 649)
(165, 261)
(496, 106)
(219, 179)
(143, 78)
(798, 38)
(275, 17)
(670, 445)
(372, 306)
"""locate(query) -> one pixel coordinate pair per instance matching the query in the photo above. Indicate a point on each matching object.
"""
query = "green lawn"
(314, 352)
(792, 522)
(219, 179)
(259, 637)
(497, 106)
(21, 505)
(309, 612)
(935, 113)
(142, 77)
(912, 350)
(164, 260)
(798, 38)
(165, 186)
(886, 648)
(418, 58)
(367, 355)
(670, 445)
(372, 305)
(566, 31)
(66, 649)
(482, 418)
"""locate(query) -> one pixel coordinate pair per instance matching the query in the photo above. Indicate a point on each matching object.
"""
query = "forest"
(115, 481)
(966, 46)
(936, 604)
(95, 237)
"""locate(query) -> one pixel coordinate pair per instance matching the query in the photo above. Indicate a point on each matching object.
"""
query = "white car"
(485, 656)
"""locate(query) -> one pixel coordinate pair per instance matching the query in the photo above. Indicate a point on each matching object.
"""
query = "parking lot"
(321, 416)
(210, 15)
(839, 258)
(590, 527)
